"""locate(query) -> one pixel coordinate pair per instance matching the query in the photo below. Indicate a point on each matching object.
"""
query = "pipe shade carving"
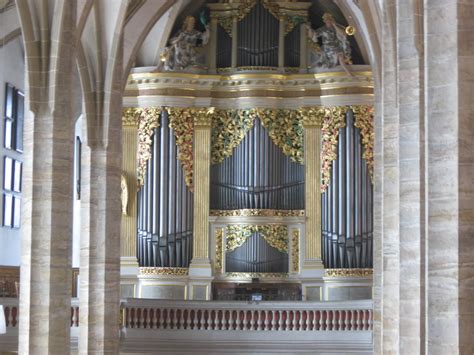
(274, 234)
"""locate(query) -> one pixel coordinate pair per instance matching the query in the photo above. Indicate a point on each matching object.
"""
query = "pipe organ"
(254, 168)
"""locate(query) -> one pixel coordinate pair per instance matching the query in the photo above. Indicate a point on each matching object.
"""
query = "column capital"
(131, 116)
(312, 117)
(202, 117)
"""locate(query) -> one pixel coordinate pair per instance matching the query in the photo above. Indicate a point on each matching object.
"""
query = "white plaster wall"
(12, 67)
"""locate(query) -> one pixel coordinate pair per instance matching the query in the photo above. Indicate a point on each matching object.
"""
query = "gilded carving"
(364, 120)
(131, 116)
(257, 212)
(285, 130)
(312, 116)
(219, 250)
(258, 275)
(228, 129)
(295, 250)
(334, 119)
(276, 235)
(181, 120)
(348, 272)
(124, 194)
(164, 271)
(148, 122)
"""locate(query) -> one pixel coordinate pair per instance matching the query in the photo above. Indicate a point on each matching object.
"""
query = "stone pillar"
(312, 120)
(46, 245)
(213, 45)
(234, 42)
(200, 269)
(281, 43)
(303, 47)
(100, 224)
(128, 232)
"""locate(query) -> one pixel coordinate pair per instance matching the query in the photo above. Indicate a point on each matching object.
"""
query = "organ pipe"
(164, 206)
(257, 176)
(347, 205)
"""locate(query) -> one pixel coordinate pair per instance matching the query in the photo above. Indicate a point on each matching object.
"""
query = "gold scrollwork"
(243, 10)
(334, 119)
(164, 271)
(348, 272)
(276, 235)
(219, 251)
(257, 212)
(148, 121)
(295, 250)
(364, 120)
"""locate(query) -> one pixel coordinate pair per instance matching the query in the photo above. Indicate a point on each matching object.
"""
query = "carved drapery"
(286, 131)
(229, 127)
(182, 122)
(149, 119)
(276, 235)
(364, 120)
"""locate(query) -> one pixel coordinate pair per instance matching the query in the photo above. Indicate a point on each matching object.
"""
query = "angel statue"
(181, 53)
(335, 47)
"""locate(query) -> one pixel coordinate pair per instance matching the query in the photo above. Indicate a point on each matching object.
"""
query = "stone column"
(311, 120)
(46, 245)
(303, 47)
(234, 42)
(213, 45)
(200, 268)
(128, 232)
(281, 43)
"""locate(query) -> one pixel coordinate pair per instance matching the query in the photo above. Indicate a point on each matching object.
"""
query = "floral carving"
(334, 119)
(149, 120)
(229, 127)
(181, 120)
(276, 235)
(364, 120)
(285, 130)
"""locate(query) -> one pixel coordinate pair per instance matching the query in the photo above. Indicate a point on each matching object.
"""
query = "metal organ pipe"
(347, 205)
(165, 206)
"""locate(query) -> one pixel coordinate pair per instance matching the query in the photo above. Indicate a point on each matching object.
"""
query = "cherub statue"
(335, 47)
(181, 53)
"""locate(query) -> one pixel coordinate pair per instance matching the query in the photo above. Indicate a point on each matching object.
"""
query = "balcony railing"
(150, 324)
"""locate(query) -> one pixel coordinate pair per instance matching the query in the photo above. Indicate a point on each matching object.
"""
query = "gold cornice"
(164, 271)
(317, 76)
(257, 213)
(348, 272)
(243, 93)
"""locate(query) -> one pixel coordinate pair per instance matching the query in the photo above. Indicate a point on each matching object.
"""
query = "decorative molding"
(257, 213)
(218, 267)
(259, 275)
(295, 250)
(164, 271)
(348, 272)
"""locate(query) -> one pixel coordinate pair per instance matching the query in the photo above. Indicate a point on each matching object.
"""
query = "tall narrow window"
(12, 166)
(77, 167)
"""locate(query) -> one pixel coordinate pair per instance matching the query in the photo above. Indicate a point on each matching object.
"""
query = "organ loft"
(252, 171)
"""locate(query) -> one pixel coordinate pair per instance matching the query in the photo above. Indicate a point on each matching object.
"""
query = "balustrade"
(243, 316)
